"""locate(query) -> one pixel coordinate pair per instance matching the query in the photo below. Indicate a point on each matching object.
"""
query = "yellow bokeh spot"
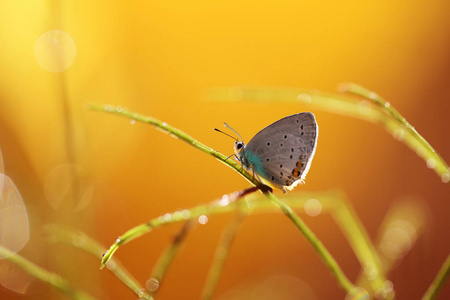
(55, 51)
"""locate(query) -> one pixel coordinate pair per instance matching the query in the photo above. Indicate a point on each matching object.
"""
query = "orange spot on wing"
(296, 172)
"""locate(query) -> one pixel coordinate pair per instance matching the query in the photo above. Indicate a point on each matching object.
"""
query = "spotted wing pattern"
(285, 149)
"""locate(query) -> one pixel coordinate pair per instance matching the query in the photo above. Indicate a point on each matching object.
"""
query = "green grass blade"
(43, 275)
(372, 109)
(314, 241)
(79, 240)
(439, 281)
(165, 260)
(221, 255)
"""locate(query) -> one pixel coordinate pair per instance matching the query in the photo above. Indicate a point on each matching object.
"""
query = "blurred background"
(101, 174)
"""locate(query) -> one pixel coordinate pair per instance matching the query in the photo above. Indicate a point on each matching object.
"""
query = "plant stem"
(382, 113)
(439, 281)
(40, 273)
(176, 133)
(314, 241)
(166, 258)
(221, 255)
(144, 228)
(58, 234)
(215, 207)
(424, 147)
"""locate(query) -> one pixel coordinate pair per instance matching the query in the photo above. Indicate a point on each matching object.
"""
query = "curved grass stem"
(144, 228)
(439, 281)
(167, 257)
(48, 277)
(221, 255)
(178, 134)
(314, 241)
(417, 143)
(77, 239)
(372, 109)
(215, 207)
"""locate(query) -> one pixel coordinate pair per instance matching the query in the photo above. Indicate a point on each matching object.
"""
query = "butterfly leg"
(231, 156)
(237, 158)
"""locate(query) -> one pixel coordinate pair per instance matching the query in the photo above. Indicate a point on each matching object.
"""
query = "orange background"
(157, 59)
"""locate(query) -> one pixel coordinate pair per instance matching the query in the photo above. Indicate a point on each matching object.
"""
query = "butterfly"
(281, 153)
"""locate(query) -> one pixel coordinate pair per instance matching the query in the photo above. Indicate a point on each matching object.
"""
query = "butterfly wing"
(282, 152)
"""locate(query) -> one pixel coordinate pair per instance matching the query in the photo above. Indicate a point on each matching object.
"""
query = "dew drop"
(445, 178)
(152, 284)
(167, 217)
(177, 216)
(398, 134)
(164, 124)
(431, 163)
(109, 108)
(357, 293)
(373, 95)
(118, 240)
(387, 104)
(186, 214)
(224, 201)
(203, 219)
(119, 109)
(132, 121)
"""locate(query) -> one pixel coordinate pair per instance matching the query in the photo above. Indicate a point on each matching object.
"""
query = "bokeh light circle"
(313, 207)
(55, 51)
(14, 224)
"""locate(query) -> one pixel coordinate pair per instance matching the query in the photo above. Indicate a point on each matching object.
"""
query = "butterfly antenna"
(226, 134)
(228, 126)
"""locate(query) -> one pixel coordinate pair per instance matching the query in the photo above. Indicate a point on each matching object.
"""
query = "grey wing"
(286, 148)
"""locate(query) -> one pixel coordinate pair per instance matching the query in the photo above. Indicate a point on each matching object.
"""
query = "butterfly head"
(239, 144)
(239, 147)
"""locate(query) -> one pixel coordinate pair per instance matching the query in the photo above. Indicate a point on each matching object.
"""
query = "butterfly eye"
(239, 146)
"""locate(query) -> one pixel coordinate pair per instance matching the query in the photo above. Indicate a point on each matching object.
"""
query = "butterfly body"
(281, 153)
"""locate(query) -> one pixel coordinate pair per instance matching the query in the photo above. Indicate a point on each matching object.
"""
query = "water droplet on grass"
(224, 201)
(167, 217)
(186, 214)
(398, 134)
(445, 178)
(357, 293)
(152, 285)
(203, 219)
(373, 95)
(431, 163)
